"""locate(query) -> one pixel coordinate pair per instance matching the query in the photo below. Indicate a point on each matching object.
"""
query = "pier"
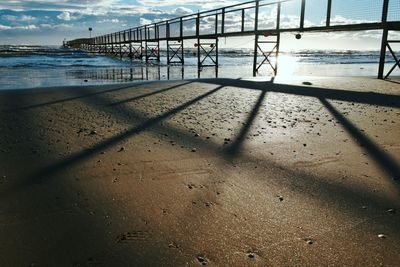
(258, 18)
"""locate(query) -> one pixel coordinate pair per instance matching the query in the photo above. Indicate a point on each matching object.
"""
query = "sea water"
(41, 66)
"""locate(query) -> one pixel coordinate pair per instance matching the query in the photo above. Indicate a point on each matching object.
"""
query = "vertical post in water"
(303, 9)
(384, 39)
(256, 39)
(278, 36)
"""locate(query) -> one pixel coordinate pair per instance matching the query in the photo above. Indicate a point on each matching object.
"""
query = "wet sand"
(218, 172)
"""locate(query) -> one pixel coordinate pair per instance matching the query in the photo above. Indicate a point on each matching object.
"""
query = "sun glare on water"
(287, 65)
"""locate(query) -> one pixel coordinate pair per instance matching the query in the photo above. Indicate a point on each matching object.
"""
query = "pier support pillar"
(207, 54)
(136, 50)
(152, 51)
(266, 48)
(175, 52)
(383, 53)
(386, 45)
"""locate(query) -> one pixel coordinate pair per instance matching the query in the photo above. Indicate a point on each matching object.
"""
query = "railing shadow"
(328, 191)
(384, 160)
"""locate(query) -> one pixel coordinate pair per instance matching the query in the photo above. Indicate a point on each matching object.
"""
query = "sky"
(49, 22)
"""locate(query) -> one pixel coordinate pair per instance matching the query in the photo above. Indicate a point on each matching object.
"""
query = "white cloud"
(56, 26)
(144, 21)
(4, 27)
(26, 18)
(181, 11)
(66, 16)
(205, 4)
(27, 27)
(9, 17)
(110, 21)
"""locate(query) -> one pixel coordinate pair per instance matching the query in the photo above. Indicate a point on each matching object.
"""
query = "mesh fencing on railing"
(241, 18)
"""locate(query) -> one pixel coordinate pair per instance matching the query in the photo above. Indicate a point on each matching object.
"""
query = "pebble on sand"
(309, 241)
(250, 255)
(383, 236)
(202, 260)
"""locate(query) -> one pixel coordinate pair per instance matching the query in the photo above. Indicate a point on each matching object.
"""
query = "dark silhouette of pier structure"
(259, 18)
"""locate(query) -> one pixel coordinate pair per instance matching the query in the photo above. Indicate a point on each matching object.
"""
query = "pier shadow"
(146, 125)
(328, 191)
(115, 88)
(371, 98)
(384, 160)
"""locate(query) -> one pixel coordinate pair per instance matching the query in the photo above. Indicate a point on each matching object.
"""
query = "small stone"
(383, 236)
(250, 255)
(364, 207)
(121, 149)
(280, 198)
(304, 144)
(202, 260)
(391, 210)
(93, 132)
(196, 135)
(194, 149)
(309, 241)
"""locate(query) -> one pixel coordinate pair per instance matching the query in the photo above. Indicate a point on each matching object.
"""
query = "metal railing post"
(303, 9)
(278, 36)
(256, 38)
(384, 39)
(328, 13)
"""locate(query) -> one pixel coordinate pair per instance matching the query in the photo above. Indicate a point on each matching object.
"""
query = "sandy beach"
(215, 172)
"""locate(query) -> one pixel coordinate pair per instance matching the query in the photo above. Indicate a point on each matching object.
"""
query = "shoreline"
(78, 76)
(281, 78)
(223, 171)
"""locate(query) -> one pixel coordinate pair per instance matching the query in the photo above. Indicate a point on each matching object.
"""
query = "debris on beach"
(202, 259)
(309, 241)
(383, 236)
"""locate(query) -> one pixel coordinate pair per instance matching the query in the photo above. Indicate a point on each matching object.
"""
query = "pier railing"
(264, 19)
